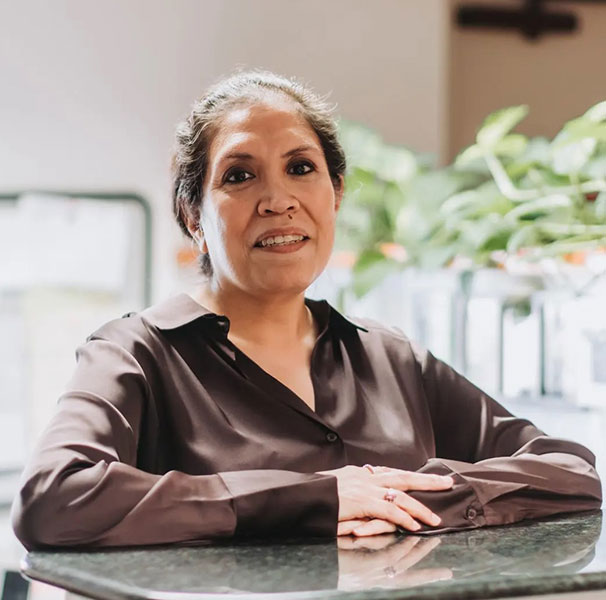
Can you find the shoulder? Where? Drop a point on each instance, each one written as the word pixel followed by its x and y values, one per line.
pixel 371 329
pixel 148 327
pixel 389 340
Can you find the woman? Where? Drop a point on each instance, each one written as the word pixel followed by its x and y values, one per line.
pixel 245 408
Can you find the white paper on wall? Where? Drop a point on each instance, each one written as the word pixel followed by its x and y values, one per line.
pixel 14 265
pixel 74 242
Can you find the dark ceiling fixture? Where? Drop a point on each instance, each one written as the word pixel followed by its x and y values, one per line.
pixel 531 19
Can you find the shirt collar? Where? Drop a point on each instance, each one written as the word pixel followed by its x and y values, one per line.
pixel 182 309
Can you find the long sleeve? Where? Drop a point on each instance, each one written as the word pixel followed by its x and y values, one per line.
pixel 82 485
pixel 505 469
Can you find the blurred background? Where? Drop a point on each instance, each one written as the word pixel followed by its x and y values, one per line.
pixel 475 214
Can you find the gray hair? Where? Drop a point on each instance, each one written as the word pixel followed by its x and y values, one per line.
pixel 195 134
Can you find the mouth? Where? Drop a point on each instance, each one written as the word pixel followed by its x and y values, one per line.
pixel 281 242
pixel 284 247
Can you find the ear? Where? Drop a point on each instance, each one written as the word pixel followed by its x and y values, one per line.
pixel 197 235
pixel 339 191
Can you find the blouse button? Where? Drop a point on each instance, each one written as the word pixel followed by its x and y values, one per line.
pixel 223 325
pixel 331 436
pixel 471 513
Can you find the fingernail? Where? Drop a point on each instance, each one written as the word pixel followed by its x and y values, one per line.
pixel 415 526
pixel 435 520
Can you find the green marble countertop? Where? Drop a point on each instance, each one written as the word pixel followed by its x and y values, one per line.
pixel 562 554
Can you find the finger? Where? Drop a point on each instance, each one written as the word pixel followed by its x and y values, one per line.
pixel 389 511
pixel 409 480
pixel 374 527
pixel 413 507
pixel 347 527
pixel 407 544
pixel 417 509
pixel 379 470
pixel 383 542
pixel 418 553
pixel 346 542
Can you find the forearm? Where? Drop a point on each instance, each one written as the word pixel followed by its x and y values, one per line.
pixel 116 504
pixel 505 490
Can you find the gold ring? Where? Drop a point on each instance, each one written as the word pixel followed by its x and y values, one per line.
pixel 369 467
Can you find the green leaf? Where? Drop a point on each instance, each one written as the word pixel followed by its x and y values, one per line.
pixel 597 112
pixel 486 234
pixel 511 145
pixel 472 204
pixel 570 159
pixel 595 168
pixel 538 151
pixel 497 240
pixel 600 206
pixel 499 124
pixel 537 154
pixel 469 156
pixel 393 200
pixel 461 202
pixel 580 129
pixel 527 235
pixel 565 246
pixel 397 164
pixel 371 268
pixel 434 257
pixel 541 207
pixel 521 308
pixel 366 150
pixel 358 177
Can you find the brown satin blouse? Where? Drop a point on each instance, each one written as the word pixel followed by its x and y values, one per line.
pixel 168 433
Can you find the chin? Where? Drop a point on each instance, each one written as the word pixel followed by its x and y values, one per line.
pixel 287 285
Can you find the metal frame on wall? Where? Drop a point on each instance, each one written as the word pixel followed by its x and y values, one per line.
pixel 109 197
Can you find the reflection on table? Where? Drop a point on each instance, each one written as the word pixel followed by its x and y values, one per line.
pixel 553 555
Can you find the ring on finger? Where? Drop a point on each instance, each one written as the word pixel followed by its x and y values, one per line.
pixel 369 467
pixel 390 495
pixel 390 572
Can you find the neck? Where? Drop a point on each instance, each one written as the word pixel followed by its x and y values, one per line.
pixel 275 321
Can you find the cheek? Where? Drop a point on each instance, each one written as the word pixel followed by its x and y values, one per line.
pixel 231 229
pixel 215 225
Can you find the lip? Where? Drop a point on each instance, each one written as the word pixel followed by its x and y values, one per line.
pixel 282 231
pixel 286 249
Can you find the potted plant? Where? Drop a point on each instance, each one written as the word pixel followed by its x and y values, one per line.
pixel 509 215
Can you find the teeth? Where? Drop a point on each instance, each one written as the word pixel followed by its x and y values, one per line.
pixel 281 239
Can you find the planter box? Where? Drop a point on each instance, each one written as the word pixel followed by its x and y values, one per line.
pixel 509 334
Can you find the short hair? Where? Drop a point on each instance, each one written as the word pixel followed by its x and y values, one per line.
pixel 195 134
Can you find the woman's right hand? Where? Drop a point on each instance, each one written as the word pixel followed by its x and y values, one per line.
pixel 363 509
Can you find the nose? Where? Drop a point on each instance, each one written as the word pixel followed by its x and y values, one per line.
pixel 277 199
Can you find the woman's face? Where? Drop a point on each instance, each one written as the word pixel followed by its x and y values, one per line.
pixel 266 176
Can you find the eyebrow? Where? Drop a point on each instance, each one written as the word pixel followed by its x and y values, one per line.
pixel 246 156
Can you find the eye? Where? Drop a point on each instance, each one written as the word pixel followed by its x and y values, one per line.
pixel 237 176
pixel 301 168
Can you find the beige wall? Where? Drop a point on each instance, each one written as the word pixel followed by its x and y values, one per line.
pixel 558 76
pixel 92 90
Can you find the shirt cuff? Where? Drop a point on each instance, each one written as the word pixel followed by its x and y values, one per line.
pixel 283 502
pixel 459 506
